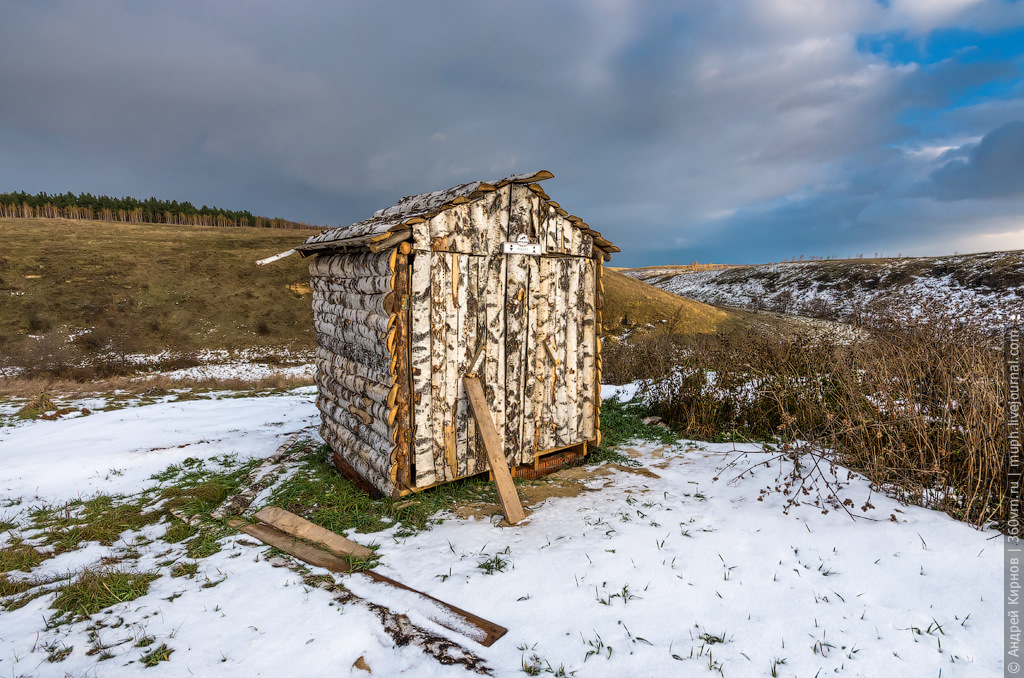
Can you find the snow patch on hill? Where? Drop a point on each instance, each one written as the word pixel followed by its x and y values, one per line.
pixel 984 289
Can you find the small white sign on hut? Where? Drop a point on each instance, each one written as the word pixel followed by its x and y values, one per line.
pixel 491 278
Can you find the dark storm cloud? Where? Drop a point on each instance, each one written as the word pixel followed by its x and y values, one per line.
pixel 993 168
pixel 678 127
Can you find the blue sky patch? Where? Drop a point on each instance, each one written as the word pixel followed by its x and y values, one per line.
pixel 951 43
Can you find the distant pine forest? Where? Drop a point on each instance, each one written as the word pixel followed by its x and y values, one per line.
pixel 131 210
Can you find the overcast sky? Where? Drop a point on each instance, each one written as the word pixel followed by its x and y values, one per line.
pixel 719 131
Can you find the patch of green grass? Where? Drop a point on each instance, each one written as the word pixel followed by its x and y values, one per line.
pixel 154 657
pixel 13 587
pixel 185 570
pixel 103 519
pixel 194 488
pixel 20 592
pixel 201 497
pixel 95 590
pixel 204 544
pixel 712 639
pixel 320 494
pixel 362 564
pixel 621 422
pixel 19 556
pixel 179 532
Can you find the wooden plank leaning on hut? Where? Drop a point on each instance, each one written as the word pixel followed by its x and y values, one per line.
pixel 507 495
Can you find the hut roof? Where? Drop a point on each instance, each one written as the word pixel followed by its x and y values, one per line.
pixel 394 224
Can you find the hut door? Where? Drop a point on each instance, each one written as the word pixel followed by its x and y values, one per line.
pixel 550 354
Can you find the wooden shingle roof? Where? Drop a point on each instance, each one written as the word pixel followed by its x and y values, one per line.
pixel 392 225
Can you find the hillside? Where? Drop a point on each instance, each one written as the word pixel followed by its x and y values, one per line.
pixel 145 288
pixel 72 289
pixel 980 288
pixel 630 302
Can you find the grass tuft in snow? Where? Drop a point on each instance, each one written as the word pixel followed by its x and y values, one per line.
pixel 36 408
pixel 179 532
pixel 495 563
pixel 154 657
pixel 102 519
pixel 95 589
pixel 206 543
pixel 13 587
pixel 201 497
pixel 17 555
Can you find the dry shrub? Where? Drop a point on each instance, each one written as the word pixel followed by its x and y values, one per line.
pixel 647 357
pixel 748 383
pixel 922 409
pixel 918 406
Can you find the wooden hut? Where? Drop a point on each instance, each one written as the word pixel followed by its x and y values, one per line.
pixel 491 278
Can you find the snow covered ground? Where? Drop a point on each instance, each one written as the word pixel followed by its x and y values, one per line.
pixel 700 559
pixel 984 288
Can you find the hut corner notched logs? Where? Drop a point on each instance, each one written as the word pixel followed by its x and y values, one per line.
pixel 405 303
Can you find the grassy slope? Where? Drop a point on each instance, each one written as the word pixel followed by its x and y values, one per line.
pixel 643 304
pixel 152 286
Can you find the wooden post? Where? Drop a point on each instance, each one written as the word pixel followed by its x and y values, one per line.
pixel 507 496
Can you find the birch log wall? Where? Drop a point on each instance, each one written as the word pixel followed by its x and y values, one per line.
pixel 407 301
